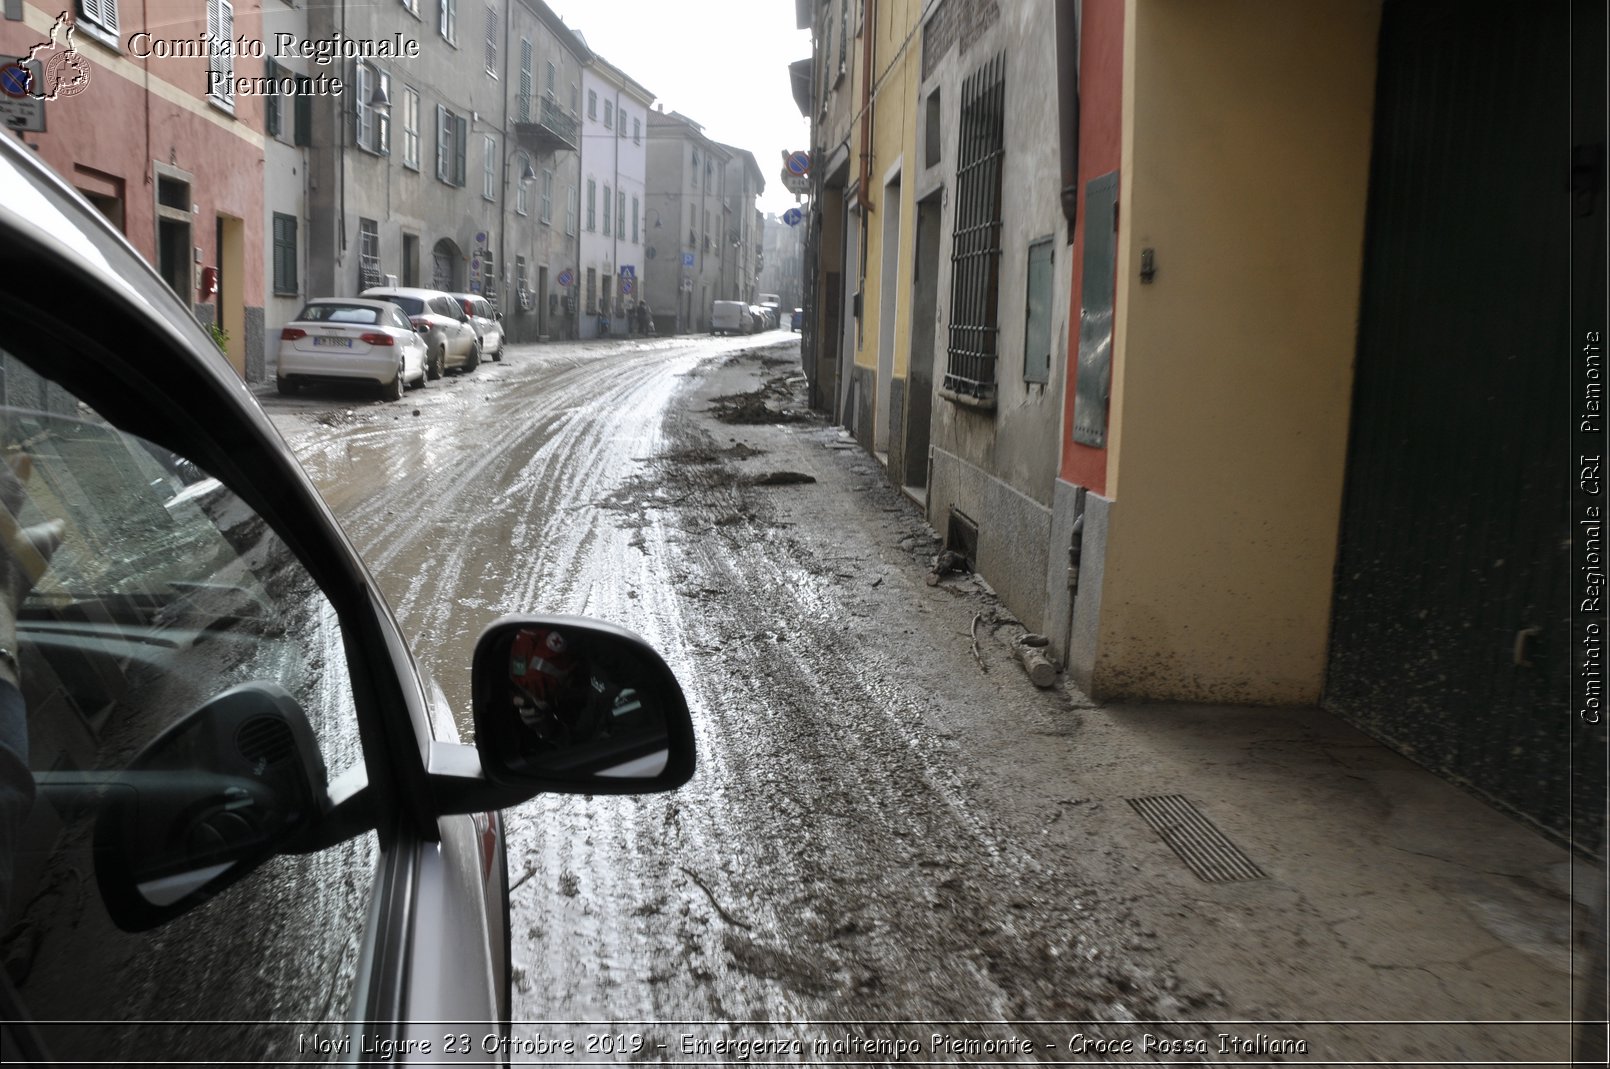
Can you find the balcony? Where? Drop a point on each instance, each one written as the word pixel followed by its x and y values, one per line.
pixel 555 130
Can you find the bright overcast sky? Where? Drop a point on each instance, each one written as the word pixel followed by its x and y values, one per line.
pixel 722 63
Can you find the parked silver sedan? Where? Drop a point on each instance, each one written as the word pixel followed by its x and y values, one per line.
pixel 346 339
pixel 488 322
pixel 451 340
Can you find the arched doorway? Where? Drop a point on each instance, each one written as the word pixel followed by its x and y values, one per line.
pixel 447 267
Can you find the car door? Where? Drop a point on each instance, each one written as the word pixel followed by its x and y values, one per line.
pixel 202 658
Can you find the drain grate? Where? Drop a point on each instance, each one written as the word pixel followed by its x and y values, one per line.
pixel 1196 839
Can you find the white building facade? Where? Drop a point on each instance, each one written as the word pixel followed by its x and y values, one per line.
pixel 614 163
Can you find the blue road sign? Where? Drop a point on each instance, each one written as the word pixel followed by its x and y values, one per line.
pixel 793 216
pixel 628 271
pixel 14 79
pixel 687 259
pixel 566 278
pixel 799 163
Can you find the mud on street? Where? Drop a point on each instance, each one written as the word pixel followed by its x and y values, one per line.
pixel 887 823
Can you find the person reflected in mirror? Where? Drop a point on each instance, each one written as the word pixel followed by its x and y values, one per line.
pixel 565 699
pixel 548 685
pixel 24 555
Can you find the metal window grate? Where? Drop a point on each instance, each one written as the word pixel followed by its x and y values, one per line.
pixel 975 248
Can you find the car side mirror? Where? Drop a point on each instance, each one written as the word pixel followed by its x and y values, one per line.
pixel 568 704
pixel 205 803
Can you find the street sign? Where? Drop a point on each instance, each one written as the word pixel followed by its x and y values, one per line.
pixel 687 259
pixel 628 271
pixel 796 184
pixel 20 108
pixel 566 277
pixel 793 216
pixel 799 163
pixel 626 285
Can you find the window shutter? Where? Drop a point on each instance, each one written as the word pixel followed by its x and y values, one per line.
pixel 444 146
pixel 461 144
pixel 272 100
pixel 304 112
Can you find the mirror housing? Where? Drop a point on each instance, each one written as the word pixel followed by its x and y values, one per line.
pixel 205 803
pixel 573 705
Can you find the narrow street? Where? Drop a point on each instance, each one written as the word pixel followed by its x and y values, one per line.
pixel 889 823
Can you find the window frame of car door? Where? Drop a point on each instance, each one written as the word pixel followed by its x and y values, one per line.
pixel 180 394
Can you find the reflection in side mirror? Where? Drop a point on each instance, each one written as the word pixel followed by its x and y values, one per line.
pixel 571 704
pixel 205 803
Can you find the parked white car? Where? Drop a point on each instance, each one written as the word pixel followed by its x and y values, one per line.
pixel 488 322
pixel 451 340
pixel 730 317
pixel 349 339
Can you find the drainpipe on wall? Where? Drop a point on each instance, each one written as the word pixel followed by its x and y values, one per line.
pixel 868 21
pixel 1068 17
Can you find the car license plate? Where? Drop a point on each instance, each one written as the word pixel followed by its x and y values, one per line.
pixel 342 343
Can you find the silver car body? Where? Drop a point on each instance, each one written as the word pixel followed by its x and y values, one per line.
pixel 486 321
pixel 450 338
pixel 434 946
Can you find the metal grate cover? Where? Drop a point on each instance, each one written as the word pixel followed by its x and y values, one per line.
pixel 1196 839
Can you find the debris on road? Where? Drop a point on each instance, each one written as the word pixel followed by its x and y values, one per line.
pixel 1029 649
pixel 947 562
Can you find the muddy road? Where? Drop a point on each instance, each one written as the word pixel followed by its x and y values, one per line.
pixel 849 849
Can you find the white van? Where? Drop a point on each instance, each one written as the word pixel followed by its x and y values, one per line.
pixel 730 317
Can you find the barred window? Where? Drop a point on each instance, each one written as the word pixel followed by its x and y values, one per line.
pixel 975 244
pixel 369 255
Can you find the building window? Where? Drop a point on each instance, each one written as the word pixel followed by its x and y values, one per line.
pixel 636 214
pixel 620 213
pixel 372 125
pixel 410 116
pixel 521 194
pixel 570 210
pixel 637 131
pixel 447 20
pixel 489 168
pixel 609 115
pixel 975 243
pixel 592 291
pixel 452 134
pixel 369 255
pixel 221 56
pixel 592 205
pixel 844 31
pixel 284 254
pixel 273 105
pixel 523 100
pixel 606 211
pixel 491 41
pixel 101 14
pixel 547 85
pixel 547 197
pixel 592 104
pixel 522 284
pixel 930 137
pixel 575 98
pixel 1037 316
pixel 303 112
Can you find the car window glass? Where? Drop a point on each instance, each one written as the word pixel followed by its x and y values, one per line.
pixel 338 313
pixel 166 591
pixel 411 305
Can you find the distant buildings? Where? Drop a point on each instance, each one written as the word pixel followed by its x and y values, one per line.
pixel 483 149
